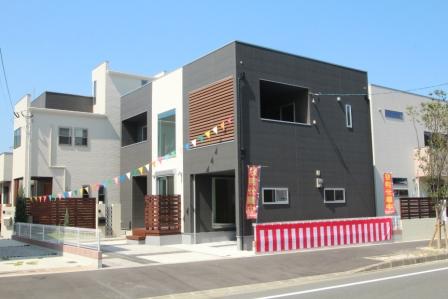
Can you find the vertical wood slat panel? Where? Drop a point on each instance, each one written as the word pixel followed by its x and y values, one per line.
pixel 210 106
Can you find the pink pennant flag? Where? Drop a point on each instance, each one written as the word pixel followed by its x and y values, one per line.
pixel 116 180
pixel 229 120
pixel 160 159
pixel 215 130
pixel 59 196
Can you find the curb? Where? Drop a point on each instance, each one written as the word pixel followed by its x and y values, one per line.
pixel 403 262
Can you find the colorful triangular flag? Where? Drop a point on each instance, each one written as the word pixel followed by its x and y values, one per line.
pixel 200 138
pixel 207 134
pixel 215 130
pixel 147 167
pixel 116 180
pixel 140 169
pixel 223 126
pixel 193 142
pixel 128 175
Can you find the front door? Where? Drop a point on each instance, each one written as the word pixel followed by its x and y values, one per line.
pixel 223 202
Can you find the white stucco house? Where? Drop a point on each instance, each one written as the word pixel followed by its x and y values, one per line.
pixel 395 140
pixel 65 142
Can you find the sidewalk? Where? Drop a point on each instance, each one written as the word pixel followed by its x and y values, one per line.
pixel 165 279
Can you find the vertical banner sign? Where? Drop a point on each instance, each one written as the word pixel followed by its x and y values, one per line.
pixel 389 207
pixel 252 195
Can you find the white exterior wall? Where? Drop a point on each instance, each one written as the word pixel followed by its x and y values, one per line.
pixel 73 166
pixel 20 154
pixel 394 141
pixel 167 95
pixel 5 167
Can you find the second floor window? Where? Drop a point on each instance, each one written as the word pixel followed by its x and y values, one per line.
pixel 17 137
pixel 167 133
pixel 81 136
pixel 65 136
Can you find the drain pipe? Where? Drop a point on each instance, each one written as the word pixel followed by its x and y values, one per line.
pixel 194 210
pixel 240 154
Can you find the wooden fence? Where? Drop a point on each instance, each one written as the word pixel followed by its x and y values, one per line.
pixel 416 207
pixel 82 212
pixel 162 215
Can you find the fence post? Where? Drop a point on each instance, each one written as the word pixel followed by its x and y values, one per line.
pixel 43 232
pixel 30 230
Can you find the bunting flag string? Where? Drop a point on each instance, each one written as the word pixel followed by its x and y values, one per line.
pixel 208 134
pixel 95 186
pixel 134 172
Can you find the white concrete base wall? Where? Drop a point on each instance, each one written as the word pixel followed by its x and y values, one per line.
pixel 416 229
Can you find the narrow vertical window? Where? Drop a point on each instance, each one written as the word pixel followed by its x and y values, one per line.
pixel 348 116
pixel 17 138
pixel 167 133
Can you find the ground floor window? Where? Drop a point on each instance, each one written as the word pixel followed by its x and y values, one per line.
pixel 334 195
pixel 275 195
pixel 165 185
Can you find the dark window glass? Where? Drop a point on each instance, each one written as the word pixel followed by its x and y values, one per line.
pixel 65 136
pixel 81 136
pixel 268 196
pixel 17 137
pixel 393 114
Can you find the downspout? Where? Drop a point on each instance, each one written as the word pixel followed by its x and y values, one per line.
pixel 240 151
pixel 194 210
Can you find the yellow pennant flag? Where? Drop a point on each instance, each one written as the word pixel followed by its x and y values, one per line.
pixel 140 169
pixel 207 134
pixel 223 125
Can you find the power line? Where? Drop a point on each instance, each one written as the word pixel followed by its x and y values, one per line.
pixel 6 82
pixel 380 93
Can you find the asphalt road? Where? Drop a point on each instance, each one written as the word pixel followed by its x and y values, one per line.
pixel 158 280
pixel 412 282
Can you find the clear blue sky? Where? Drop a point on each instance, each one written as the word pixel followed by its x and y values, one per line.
pixel 54 45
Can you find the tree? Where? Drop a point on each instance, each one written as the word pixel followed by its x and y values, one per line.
pixel 20 212
pixel 433 157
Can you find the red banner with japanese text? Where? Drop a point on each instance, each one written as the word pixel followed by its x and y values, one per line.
pixel 389 207
pixel 253 187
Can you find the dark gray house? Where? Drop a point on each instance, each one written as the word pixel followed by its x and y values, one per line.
pixel 306 122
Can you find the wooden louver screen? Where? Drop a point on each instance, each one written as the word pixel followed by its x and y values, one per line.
pixel 209 106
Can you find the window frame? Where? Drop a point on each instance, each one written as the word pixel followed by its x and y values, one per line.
pixel 308 111
pixel 168 113
pixel 348 116
pixel 17 138
pixel 334 191
pixel 82 138
pixel 94 91
pixel 393 114
pixel 70 136
pixel 275 201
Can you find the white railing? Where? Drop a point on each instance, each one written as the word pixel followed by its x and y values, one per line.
pixel 74 236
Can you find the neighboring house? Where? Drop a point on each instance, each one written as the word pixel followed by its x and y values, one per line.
pixel 396 138
pixel 65 142
pixel 5 177
pixel 269 108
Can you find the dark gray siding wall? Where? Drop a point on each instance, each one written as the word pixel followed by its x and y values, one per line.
pixel 210 159
pixel 61 101
pixel 134 155
pixel 293 152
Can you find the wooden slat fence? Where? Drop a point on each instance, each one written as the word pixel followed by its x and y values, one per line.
pixel 162 215
pixel 81 212
pixel 417 207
